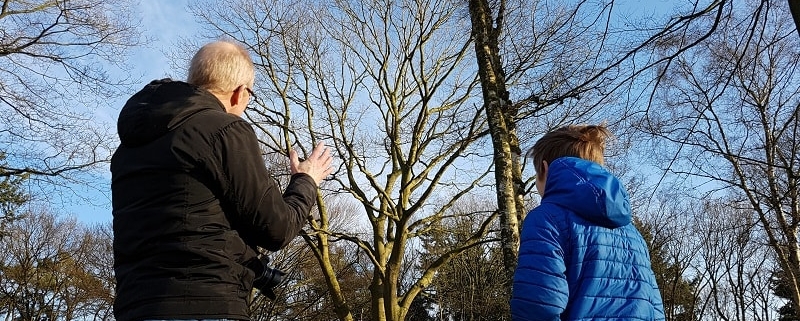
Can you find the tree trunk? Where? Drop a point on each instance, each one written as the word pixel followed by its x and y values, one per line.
pixel 322 251
pixel 378 287
pixel 793 253
pixel 501 116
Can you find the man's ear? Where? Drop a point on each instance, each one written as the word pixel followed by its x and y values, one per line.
pixel 237 96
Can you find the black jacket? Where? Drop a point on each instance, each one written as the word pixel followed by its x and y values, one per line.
pixel 191 198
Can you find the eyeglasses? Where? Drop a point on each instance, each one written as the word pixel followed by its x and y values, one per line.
pixel 252 94
pixel 253 97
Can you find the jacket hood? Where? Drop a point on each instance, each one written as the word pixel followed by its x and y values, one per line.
pixel 589 190
pixel 160 107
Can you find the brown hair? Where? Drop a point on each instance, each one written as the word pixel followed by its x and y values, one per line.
pixel 221 66
pixel 584 141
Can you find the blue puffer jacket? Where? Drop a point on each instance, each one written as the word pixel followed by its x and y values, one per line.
pixel 580 257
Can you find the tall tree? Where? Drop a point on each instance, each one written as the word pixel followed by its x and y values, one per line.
pixel 543 64
pixel 501 115
pixel 388 84
pixel 56 64
pixel 730 107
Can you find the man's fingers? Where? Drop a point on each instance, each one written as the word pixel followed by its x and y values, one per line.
pixel 320 151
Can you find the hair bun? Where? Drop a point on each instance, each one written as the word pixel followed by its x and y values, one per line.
pixel 595 134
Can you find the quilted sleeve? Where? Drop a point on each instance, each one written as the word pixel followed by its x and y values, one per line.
pixel 658 303
pixel 540 290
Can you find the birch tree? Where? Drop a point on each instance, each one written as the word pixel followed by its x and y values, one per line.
pixel 501 116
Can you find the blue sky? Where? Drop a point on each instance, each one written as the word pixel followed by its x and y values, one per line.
pixel 166 22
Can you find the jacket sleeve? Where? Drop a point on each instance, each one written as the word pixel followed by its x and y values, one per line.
pixel 262 215
pixel 658 303
pixel 540 290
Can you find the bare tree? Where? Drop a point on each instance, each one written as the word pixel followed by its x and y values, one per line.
pixel 48 270
pixel 389 86
pixel 729 107
pixel 545 56
pixel 711 258
pixel 56 59
pixel 733 267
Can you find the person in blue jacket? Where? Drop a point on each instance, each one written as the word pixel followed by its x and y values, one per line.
pixel 580 257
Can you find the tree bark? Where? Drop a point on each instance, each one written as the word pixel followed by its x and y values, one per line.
pixel 321 248
pixel 501 116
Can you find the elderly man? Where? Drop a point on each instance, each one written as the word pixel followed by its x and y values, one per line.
pixel 192 198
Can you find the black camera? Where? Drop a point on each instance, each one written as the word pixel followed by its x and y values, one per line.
pixel 267 278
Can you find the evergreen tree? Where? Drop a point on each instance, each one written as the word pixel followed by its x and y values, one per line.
pixel 471 285
pixel 11 196
pixel 788 312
